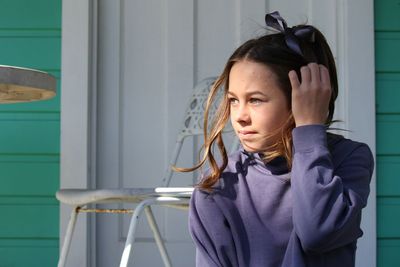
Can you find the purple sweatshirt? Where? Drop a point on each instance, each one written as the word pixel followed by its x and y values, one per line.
pixel 263 215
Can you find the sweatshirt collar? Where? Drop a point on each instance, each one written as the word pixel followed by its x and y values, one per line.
pixel 277 166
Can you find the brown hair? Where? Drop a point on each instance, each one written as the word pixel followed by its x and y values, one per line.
pixel 271 50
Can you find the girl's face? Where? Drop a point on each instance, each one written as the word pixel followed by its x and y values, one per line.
pixel 258 106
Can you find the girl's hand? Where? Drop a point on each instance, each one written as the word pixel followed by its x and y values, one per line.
pixel 310 98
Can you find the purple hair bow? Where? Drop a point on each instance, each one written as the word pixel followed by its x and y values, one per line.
pixel 306 32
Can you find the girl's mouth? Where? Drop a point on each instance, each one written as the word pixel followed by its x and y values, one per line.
pixel 246 133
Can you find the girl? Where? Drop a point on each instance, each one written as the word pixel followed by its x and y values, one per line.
pixel 293 194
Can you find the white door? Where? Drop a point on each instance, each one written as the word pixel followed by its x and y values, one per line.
pixel 140 62
pixel 149 56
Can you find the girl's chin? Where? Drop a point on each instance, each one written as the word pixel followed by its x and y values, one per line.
pixel 252 149
pixel 256 147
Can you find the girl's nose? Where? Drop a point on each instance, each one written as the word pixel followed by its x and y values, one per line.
pixel 242 114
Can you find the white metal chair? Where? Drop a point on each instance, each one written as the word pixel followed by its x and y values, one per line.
pixel 176 197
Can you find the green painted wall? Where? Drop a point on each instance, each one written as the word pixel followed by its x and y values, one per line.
pixel 30 36
pixel 387 55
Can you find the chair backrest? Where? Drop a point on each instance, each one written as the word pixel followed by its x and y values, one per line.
pixel 194 115
pixel 193 120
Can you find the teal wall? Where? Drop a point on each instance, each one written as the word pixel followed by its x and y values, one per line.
pixel 387 56
pixel 30 36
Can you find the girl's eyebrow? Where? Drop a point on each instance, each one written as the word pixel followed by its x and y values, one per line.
pixel 249 93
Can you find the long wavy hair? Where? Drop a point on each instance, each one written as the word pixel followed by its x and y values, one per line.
pixel 272 51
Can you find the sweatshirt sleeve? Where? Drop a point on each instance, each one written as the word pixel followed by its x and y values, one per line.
pixel 210 232
pixel 327 200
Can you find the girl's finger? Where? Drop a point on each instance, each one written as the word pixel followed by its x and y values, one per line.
pixel 315 75
pixel 305 74
pixel 294 80
pixel 325 78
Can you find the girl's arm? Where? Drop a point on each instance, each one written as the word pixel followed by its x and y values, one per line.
pixel 327 201
pixel 209 230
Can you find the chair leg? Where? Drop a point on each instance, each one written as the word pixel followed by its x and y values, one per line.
pixel 68 237
pixel 130 239
pixel 131 234
pixel 157 236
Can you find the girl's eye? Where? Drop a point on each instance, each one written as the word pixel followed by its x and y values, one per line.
pixel 255 101
pixel 233 101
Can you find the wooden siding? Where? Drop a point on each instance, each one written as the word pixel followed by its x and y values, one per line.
pixel 30 36
pixel 387 43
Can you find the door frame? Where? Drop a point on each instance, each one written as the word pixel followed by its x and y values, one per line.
pixel 78 119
